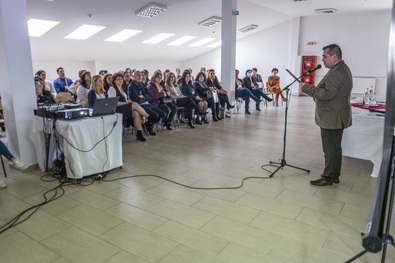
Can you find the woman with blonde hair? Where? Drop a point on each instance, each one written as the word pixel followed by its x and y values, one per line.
pixel 96 91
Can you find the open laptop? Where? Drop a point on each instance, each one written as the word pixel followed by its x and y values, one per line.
pixel 105 106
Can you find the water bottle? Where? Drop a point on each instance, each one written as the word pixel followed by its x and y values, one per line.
pixel 372 97
pixel 366 101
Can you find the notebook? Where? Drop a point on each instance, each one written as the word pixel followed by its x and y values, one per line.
pixel 105 106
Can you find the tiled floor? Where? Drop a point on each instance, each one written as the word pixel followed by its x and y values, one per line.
pixel 146 219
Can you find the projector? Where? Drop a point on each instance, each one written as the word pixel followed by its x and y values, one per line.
pixel 72 113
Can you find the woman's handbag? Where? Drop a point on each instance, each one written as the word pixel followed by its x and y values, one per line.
pixel 165 100
pixel 209 95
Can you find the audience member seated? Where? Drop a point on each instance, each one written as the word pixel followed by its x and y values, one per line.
pixel 181 100
pixel 73 88
pixel 161 98
pixel 250 83
pixel 178 75
pixel 212 81
pixel 187 89
pixel 96 91
pixel 139 93
pixel 83 89
pixel 14 163
pixel 256 76
pixel 62 83
pixel 103 72
pixel 273 83
pixel 43 96
pixel 125 106
pixel 145 76
pixel 244 92
pixel 126 79
pixel 201 89
pixel 48 84
pixel 107 82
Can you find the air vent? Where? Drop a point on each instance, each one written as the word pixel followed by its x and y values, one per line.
pixel 325 11
pixel 151 10
pixel 298 0
pixel 210 21
pixel 248 28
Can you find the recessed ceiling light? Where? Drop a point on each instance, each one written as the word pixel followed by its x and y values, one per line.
pixel 151 10
pixel 210 21
pixel 202 42
pixel 158 38
pixel 38 27
pixel 181 41
pixel 84 32
pixel 248 28
pixel 216 44
pixel 123 35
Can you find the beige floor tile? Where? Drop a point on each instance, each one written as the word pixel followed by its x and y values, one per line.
pixel 20 248
pixel 42 225
pixel 184 254
pixel 61 260
pixel 55 207
pixel 208 244
pixel 344 197
pixel 226 209
pixel 176 193
pixel 136 216
pixel 125 257
pixel 222 194
pixel 189 216
pixel 139 183
pixel 271 206
pixel 10 206
pixel 135 197
pixel 301 231
pixel 251 237
pixel 137 241
pixel 330 206
pixel 79 246
pixel 93 199
pixel 355 212
pixel 90 219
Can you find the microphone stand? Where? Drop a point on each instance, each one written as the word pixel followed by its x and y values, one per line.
pixel 283 162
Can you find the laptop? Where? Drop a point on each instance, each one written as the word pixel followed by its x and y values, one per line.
pixel 105 106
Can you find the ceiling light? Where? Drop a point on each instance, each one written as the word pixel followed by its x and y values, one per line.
pixel 181 41
pixel 84 32
pixel 248 28
pixel 202 42
pixel 216 44
pixel 38 27
pixel 325 11
pixel 123 35
pixel 151 10
pixel 158 38
pixel 210 21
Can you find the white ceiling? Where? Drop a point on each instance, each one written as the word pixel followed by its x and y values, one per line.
pixel 181 18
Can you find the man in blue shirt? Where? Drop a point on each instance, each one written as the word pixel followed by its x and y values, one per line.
pixel 62 83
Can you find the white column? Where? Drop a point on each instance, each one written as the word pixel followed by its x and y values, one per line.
pixel 228 47
pixel 16 74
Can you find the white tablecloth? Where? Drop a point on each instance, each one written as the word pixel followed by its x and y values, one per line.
pixel 364 139
pixel 78 139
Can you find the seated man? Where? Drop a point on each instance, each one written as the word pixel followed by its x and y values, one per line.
pixel 250 83
pixel 62 83
pixel 240 91
pixel 139 93
pixel 256 76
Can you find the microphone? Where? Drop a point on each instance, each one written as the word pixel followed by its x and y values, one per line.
pixel 314 69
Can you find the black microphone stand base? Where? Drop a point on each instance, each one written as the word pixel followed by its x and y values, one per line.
pixel 282 164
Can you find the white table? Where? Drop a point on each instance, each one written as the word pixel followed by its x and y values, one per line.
pixel 364 139
pixel 80 134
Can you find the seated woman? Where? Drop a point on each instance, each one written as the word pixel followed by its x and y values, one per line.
pixel 244 92
pixel 187 90
pixel 273 83
pixel 139 93
pixel 212 81
pixel 250 83
pixel 107 82
pixel 83 89
pixel 96 91
pixel 181 100
pixel 47 84
pixel 201 90
pixel 125 106
pixel 42 95
pixel 161 98
pixel 14 163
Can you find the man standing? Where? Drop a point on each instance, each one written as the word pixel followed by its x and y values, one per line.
pixel 62 83
pixel 332 111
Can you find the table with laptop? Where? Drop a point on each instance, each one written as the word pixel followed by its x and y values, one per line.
pixel 88 145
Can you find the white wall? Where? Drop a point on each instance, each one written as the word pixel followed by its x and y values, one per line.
pixel 364 39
